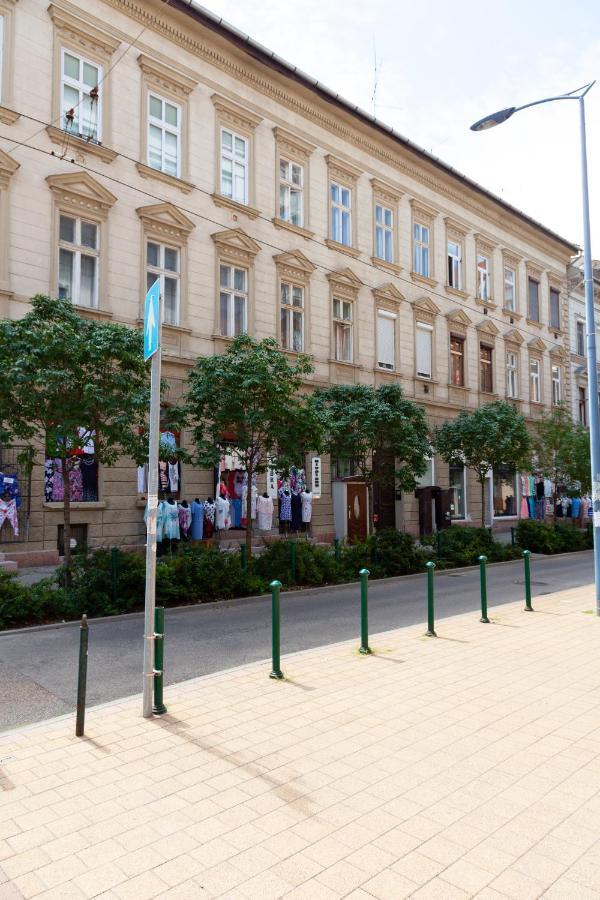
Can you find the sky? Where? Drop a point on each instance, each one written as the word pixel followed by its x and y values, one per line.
pixel 441 66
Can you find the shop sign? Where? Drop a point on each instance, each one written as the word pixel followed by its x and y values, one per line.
pixel 316 476
pixel 271 481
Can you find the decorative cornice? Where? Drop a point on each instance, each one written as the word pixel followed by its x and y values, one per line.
pixel 420 208
pixel 339 168
pixel 236 245
pixel 510 259
pixel 536 343
pixel 344 283
pixel 8 167
pixel 487 327
pixel 165 220
pixel 79 189
pixel 166 77
pixel 186 187
pixel 425 306
pixel 456 226
pixel 235 115
pixel 386 192
pixel 388 295
pixel 293 145
pixel 458 317
pixel 86 31
pixel 295 264
pixel 558 352
pixel 514 337
pixel 70 142
pixel 533 269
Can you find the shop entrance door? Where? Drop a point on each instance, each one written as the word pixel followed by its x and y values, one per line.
pixel 384 490
pixel 356 511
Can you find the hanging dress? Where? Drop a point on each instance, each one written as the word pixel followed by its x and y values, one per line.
pixel 197 509
pixel 171 523
pixel 264 508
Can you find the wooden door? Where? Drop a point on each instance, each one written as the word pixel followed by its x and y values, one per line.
pixel 384 490
pixel 356 511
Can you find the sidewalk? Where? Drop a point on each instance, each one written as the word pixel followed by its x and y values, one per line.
pixel 462 766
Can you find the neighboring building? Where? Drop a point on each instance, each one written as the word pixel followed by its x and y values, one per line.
pixel 263 202
pixel 577 336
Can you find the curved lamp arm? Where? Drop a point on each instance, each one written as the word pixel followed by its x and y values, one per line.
pixel 503 114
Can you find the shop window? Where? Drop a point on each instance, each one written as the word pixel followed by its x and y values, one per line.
pixel 341 214
pixel 164 135
pixel 512 375
pixel 428 479
pixel 533 310
pixel 458 503
pixel 292 316
pixel 535 380
pixel 421 249
pixel 457 360
pixel 582 406
pixel 234 166
pixel 554 308
pixel 509 289
pixel 79 538
pixel 164 263
pixel 384 233
pixel 424 339
pixel 505 491
pixel 78 258
pixel 486 369
pixel 80 97
pixel 386 339
pixel 291 192
pixel 483 277
pixel 15 495
pixel 82 468
pixel 580 337
pixel 344 467
pixel 556 385
pixel 233 300
pixel 455 265
pixel 343 329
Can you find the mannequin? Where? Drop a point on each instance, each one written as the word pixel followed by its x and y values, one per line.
pixel 306 498
pixel 285 508
pixel 209 518
pixel 185 519
pixel 264 508
pixel 222 518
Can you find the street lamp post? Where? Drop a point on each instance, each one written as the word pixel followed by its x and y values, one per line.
pixel 496 119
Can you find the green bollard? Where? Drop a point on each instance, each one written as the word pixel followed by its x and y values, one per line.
pixel 512 537
pixel 430 566
pixel 293 561
pixel 159 660
pixel 275 624
pixel 364 611
pixel 243 557
pixel 438 541
pixel 528 606
pixel 336 549
pixel 82 676
pixel 114 568
pixel 482 578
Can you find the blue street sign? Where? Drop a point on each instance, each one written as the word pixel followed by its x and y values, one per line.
pixel 151 323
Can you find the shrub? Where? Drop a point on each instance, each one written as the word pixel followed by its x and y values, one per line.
pixel 543 537
pixel 314 565
pixel 385 553
pixel 462 546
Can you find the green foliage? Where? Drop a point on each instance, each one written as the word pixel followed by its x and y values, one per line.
pixel 385 553
pixel 314 565
pixel 462 546
pixel 542 537
pixel 557 447
pixel 359 421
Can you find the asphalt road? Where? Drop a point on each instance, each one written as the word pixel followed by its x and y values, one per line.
pixel 38 668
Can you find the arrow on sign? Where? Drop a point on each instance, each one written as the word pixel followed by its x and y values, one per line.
pixel 150 322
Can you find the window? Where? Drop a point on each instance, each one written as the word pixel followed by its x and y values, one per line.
pixel 457 360
pixel 582 406
pixel 421 247
pixel 424 337
pixel 533 312
pixel 384 233
pixel 164 263
pixel 580 337
pixel 78 255
pixel 556 386
pixel 454 265
pixel 234 166
pixel 342 326
pixel 386 339
pixel 458 503
pixel 512 375
pixel 233 300
pixel 505 492
pixel 164 135
pixel 428 479
pixel 344 467
pixel 291 196
pixel 534 375
pixel 510 289
pixel 292 317
pixel 80 98
pixel 483 277
pixel 554 308
pixel 341 222
pixel 486 373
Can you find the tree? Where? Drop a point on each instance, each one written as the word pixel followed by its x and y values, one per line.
pixel 561 450
pixel 492 436
pixel 253 393
pixel 66 380
pixel 360 421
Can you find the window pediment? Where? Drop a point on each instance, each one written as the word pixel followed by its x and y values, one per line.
pixel 456 227
pixel 82 192
pixel 291 144
pixel 458 317
pixel 345 283
pixel 537 344
pixel 534 270
pixel 558 353
pixel 85 32
pixel 338 168
pixel 235 115
pixel 488 328
pixel 425 308
pixel 165 221
pixel 8 167
pixel 386 192
pixel 388 295
pixel 294 264
pixel 514 337
pixel 236 245
pixel 423 210
pixel 165 77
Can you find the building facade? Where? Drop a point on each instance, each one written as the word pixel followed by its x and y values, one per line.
pixel 140 139
pixel 577 337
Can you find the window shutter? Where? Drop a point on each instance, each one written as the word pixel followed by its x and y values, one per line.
pixel 424 351
pixel 385 339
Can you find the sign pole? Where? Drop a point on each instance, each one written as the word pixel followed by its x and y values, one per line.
pixel 151 322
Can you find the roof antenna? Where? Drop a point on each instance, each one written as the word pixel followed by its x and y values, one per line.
pixel 374 95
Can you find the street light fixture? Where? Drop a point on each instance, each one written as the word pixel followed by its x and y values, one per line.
pixel 496 119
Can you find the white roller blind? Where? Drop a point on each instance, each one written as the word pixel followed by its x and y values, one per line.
pixel 423 338
pixel 385 339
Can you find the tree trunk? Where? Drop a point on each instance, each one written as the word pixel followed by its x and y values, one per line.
pixel 555 498
pixel 483 503
pixel 370 509
pixel 249 519
pixel 66 469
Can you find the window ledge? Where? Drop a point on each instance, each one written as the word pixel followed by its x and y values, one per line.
pixel 460 387
pixel 488 304
pixel 174 329
pixel 510 314
pixel 349 251
pixel 8 116
pixel 534 323
pixel 456 292
pixel 424 380
pixel 423 279
pixel 186 187
pixel 516 400
pixel 341 362
pixel 90 312
pixel 228 203
pixel 75 504
pixel 557 331
pixel 58 136
pixel 289 226
pixel 392 268
pixel 294 354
